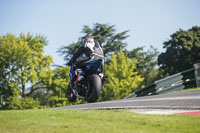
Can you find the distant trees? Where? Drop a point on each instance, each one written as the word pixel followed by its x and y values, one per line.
pixel 182 51
pixel 146 65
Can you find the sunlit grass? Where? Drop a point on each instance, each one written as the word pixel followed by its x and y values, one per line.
pixel 192 89
pixel 94 121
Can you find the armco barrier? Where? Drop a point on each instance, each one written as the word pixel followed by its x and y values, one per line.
pixel 180 81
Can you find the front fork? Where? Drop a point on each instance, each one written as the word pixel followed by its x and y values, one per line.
pixel 74 90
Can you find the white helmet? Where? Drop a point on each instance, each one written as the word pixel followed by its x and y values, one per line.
pixel 89 42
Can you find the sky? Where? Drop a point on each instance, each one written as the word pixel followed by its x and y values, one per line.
pixel 150 22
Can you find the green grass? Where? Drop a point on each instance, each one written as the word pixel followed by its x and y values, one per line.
pixel 94 121
pixel 192 89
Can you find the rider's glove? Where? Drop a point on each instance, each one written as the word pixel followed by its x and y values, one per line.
pixel 69 63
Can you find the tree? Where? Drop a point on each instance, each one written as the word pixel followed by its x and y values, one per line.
pixel 146 63
pixel 55 89
pixel 123 78
pixel 23 66
pixel 58 87
pixel 182 51
pixel 105 34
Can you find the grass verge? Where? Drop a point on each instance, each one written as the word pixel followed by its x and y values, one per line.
pixel 192 89
pixel 94 121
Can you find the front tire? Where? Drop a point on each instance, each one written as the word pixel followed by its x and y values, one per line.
pixel 94 85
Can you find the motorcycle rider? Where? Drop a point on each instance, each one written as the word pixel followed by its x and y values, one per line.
pixel 88 51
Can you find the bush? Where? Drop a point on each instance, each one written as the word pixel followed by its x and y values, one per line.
pixel 58 102
pixel 16 103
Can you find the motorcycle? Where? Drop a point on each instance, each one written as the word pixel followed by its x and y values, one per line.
pixel 86 84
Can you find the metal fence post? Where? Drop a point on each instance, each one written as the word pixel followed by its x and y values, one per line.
pixel 197 73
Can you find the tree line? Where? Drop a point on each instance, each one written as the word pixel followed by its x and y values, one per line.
pixel 27 81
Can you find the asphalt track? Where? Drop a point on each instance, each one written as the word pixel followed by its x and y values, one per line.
pixel 189 100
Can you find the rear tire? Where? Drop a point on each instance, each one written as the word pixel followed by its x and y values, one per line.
pixel 95 85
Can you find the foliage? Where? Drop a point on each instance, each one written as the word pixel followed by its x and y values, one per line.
pixel 146 65
pixel 16 103
pixel 182 51
pixel 56 101
pixel 56 88
pixel 122 77
pixel 60 81
pixel 23 66
pixel 103 33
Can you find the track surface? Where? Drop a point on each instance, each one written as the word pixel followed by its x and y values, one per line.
pixel 189 100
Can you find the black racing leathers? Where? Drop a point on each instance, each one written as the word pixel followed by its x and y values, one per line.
pixel 87 54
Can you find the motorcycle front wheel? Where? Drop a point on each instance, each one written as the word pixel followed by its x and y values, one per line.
pixel 94 86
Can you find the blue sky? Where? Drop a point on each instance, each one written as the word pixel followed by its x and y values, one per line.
pixel 151 22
